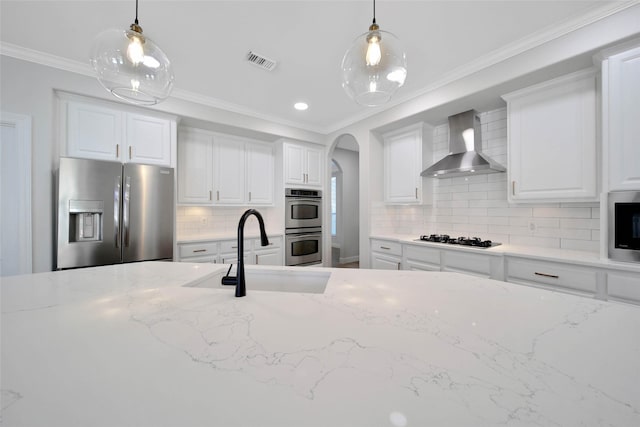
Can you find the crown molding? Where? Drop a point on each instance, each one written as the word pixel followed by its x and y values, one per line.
pixel 502 54
pixel 53 61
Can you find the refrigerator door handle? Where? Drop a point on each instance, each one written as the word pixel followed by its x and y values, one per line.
pixel 116 211
pixel 125 209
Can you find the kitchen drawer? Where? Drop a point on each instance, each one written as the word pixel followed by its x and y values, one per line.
pixel 274 242
pixel 476 264
pixel 623 287
pixel 552 275
pixel 206 258
pixel 423 255
pixel 197 249
pixel 232 246
pixel 386 247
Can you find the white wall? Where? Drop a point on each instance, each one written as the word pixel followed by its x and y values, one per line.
pixel 28 88
pixel 477 205
pixel 350 232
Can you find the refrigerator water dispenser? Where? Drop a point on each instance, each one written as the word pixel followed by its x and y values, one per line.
pixel 85 220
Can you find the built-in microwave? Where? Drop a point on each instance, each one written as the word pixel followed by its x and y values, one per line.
pixel 624 226
pixel 303 208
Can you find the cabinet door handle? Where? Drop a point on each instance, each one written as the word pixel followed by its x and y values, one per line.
pixel 398 268
pixel 249 195
pixel 256 259
pixel 384 247
pixel 416 193
pixel 218 195
pixel 117 151
pixel 513 188
pixel 210 195
pixel 130 152
pixel 553 276
pixel 199 250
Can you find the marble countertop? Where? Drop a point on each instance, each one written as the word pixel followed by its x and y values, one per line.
pixel 531 252
pixel 131 345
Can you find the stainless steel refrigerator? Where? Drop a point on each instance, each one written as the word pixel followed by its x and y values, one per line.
pixel 110 213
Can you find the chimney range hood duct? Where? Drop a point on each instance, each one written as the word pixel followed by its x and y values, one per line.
pixel 465 150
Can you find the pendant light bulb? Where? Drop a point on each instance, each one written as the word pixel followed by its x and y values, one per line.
pixel 135 51
pixel 373 55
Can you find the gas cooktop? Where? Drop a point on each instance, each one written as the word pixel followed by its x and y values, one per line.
pixel 462 241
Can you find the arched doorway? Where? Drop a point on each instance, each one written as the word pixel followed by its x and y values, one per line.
pixel 345 199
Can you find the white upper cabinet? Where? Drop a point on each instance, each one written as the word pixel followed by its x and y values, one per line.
pixel 302 165
pixel 92 131
pixel 101 130
pixel 259 162
pixel 195 167
pixel 149 139
pixel 218 169
pixel 621 119
pixel 552 144
pixel 404 151
pixel 229 177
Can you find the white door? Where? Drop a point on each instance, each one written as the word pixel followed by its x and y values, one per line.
pixel 260 178
pixel 94 132
pixel 195 168
pixel 229 161
pixel 148 140
pixel 15 194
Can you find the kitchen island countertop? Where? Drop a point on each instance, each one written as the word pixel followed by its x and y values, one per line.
pixel 132 345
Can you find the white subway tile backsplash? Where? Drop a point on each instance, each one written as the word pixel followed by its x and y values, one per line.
pixel 545 242
pixel 477 205
pixel 562 212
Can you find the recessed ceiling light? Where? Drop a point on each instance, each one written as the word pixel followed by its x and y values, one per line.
pixel 301 106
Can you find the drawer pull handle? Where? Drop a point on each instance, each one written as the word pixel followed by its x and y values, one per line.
pixel 513 188
pixel 199 250
pixel 384 247
pixel 553 276
pixel 234 247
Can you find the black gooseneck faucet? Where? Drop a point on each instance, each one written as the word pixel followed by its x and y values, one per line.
pixel 238 280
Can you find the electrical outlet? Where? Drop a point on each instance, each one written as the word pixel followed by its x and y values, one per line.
pixel 203 221
pixel 532 227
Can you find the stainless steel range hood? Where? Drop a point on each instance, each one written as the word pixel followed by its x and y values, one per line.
pixel 465 150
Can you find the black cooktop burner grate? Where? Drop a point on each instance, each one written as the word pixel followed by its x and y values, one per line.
pixel 462 241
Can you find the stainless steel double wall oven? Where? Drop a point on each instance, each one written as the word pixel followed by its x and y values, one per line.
pixel 303 226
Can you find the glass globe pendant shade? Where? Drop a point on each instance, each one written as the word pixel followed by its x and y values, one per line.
pixel 374 67
pixel 131 66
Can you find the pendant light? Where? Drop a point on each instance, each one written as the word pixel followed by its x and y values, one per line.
pixel 131 66
pixel 374 67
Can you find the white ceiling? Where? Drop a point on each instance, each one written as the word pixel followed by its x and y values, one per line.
pixel 207 42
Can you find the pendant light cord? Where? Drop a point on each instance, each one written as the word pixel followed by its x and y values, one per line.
pixel 374 10
pixel 136 21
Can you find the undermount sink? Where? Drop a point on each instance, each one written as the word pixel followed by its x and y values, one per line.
pixel 298 281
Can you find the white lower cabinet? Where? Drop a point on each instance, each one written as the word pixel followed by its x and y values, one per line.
pixel 198 252
pixel 226 251
pixel 552 275
pixel 386 255
pixel 623 286
pixel 459 262
pixel 422 259
pixel 268 255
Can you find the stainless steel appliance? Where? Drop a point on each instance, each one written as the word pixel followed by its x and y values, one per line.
pixel 475 242
pixel 304 247
pixel 303 226
pixel 624 226
pixel 465 150
pixel 303 208
pixel 110 213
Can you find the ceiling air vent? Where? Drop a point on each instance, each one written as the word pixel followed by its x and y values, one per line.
pixel 261 61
